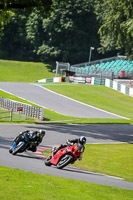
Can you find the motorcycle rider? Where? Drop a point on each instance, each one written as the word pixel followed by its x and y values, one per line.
pixel 35 137
pixel 81 140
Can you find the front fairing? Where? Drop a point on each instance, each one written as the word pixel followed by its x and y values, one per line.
pixel 74 150
pixel 57 156
pixel 24 147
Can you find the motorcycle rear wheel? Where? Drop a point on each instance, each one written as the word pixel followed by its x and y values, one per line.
pixel 64 161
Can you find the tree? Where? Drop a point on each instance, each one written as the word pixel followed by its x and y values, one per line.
pixel 64 33
pixel 17 4
pixel 5 17
pixel 69 29
pixel 116 20
pixel 7 9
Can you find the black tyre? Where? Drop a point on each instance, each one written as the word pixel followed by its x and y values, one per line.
pixel 64 161
pixel 10 150
pixel 48 161
pixel 17 149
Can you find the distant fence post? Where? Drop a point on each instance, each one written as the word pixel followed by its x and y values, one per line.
pixel 7 116
pixel 11 111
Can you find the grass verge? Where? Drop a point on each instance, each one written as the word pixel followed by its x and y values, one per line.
pixel 53 117
pixel 17 184
pixel 111 159
pixel 99 97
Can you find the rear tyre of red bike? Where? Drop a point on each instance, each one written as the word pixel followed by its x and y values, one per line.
pixel 64 161
pixel 48 161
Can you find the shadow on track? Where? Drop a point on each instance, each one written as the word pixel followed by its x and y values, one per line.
pixel 29 156
pixel 115 132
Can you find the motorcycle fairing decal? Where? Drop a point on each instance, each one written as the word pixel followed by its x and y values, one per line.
pixel 14 146
pixel 76 148
pixel 20 143
pixel 68 149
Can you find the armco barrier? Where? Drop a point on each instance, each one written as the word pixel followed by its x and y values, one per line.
pixel 55 79
pixel 22 108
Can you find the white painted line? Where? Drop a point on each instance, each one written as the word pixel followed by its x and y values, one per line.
pixel 114 177
pixel 80 102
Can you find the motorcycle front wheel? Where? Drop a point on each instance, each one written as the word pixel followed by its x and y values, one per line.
pixel 48 161
pixel 17 149
pixel 64 161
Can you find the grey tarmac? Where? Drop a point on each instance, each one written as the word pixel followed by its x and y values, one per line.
pixel 57 134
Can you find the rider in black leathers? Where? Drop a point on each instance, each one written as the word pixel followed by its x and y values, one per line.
pixel 35 137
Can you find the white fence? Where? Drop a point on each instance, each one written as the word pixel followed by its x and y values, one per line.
pixel 22 108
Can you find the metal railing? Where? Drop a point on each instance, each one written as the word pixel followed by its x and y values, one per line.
pixel 22 108
pixel 99 61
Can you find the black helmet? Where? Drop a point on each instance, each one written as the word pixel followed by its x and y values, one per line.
pixel 82 140
pixel 41 133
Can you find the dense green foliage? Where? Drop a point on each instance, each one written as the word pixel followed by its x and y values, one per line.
pixel 116 30
pixel 17 4
pixel 65 30
pixel 65 33
pixel 5 17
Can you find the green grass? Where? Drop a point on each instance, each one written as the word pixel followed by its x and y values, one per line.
pixel 100 97
pixel 16 184
pixel 16 71
pixel 111 159
pixel 87 94
pixel 53 117
pixel 16 118
pixel 48 115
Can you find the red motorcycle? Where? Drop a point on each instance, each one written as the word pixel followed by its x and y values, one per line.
pixel 65 156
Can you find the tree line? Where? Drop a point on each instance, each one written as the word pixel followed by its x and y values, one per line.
pixel 60 30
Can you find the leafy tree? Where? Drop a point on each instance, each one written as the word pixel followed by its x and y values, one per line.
pixel 17 4
pixel 69 31
pixel 5 17
pixel 64 33
pixel 116 30
pixel 7 9
pixel 14 44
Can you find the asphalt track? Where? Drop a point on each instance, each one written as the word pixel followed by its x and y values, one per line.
pixel 57 134
pixel 53 101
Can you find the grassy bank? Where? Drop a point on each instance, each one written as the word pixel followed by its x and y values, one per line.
pixel 16 71
pixel 53 117
pixel 98 96
pixel 111 159
pixel 17 184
